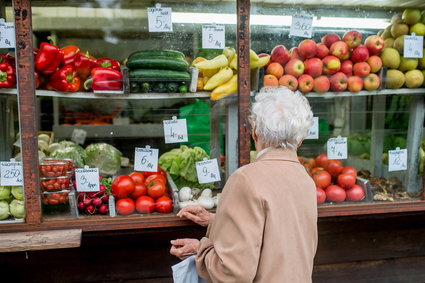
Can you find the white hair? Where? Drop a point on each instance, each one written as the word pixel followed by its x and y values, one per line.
pixel 282 118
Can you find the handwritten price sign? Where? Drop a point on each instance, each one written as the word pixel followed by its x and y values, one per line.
pixel 337 148
pixel 207 171
pixel 87 179
pixel 301 25
pixel 79 136
pixel 7 35
pixel 397 160
pixel 213 36
pixel 175 130
pixel 146 159
pixel 413 46
pixel 159 19
pixel 11 173
pixel 313 133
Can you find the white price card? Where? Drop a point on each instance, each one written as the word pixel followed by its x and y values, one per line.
pixel 11 173
pixel 413 46
pixel 7 34
pixel 313 132
pixel 79 136
pixel 159 19
pixel 207 171
pixel 397 160
pixel 87 179
pixel 337 148
pixel 213 36
pixel 146 159
pixel 175 130
pixel 111 206
pixel 302 25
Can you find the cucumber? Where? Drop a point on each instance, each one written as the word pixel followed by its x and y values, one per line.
pixel 157 53
pixel 137 62
pixel 158 74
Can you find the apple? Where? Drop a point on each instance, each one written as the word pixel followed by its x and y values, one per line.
pixel 399 44
pixel 339 49
pixel 396 19
pixel 355 83
pixel 294 67
pixel 280 54
pixel 313 67
pixel 305 83
pixel 388 42
pixel 289 81
pixel 390 58
pixel 322 50
pixel 360 54
pixel 353 38
pixel 399 29
pixel 375 63
pixel 347 67
pixel 408 64
pixel 307 48
pixel 321 84
pixel 414 78
pixel 411 16
pixel 347 56
pixel 331 65
pixel 329 39
pixel 387 32
pixel 418 29
pixel 371 82
pixel 338 82
pixel 374 44
pixel 361 69
pixel 294 53
pixel 394 79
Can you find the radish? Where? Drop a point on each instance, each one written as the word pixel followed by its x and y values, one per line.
pixel 103 209
pixel 81 205
pixel 97 202
pixel 87 201
pixel 90 209
pixel 105 198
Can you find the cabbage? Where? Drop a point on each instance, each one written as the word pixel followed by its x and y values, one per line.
pixel 18 192
pixel 17 208
pixel 4 209
pixel 71 150
pixel 103 156
pixel 4 192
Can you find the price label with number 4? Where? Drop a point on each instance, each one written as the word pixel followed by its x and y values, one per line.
pixel 207 171
pixel 175 130
pixel 337 148
pixel 87 179
pixel 159 19
pixel 146 159
pixel 213 36
pixel 11 173
pixel 413 46
pixel 7 35
pixel 301 25
pixel 397 160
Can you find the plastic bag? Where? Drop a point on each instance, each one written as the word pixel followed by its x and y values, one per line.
pixel 185 271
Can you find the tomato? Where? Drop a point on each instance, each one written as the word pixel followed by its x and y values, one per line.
pixel 145 204
pixel 164 205
pixel 335 193
pixel 316 169
pixel 310 161
pixel 308 168
pixel 139 190
pixel 301 159
pixel 159 170
pixel 155 177
pixel 322 179
pixel 156 188
pixel 125 206
pixel 346 180
pixel 122 186
pixel 321 195
pixel 355 193
pixel 334 167
pixel 137 177
pixel 349 170
pixel 322 160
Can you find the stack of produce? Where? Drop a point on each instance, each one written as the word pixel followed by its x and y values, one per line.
pixel 408 72
pixel 333 64
pixel 158 71
pixel 219 74
pixel 7 71
pixel 95 202
pixel 11 202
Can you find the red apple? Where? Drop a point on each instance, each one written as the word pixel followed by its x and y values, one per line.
pixel 294 67
pixel 289 81
pixel 355 84
pixel 321 84
pixel 375 63
pixel 313 67
pixel 371 82
pixel 353 38
pixel 375 44
pixel 347 67
pixel 347 56
pixel 322 51
pixel 339 82
pixel 305 83
pixel 307 48
pixel 331 65
pixel 295 53
pixel 360 54
pixel 329 39
pixel 361 69
pixel 339 49
pixel 280 54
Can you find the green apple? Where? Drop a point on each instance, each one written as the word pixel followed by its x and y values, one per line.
pixel 418 29
pixel 390 58
pixel 399 44
pixel 399 29
pixel 379 33
pixel 396 19
pixel 421 63
pixel 394 79
pixel 388 42
pixel 387 32
pixel 414 79
pixel 411 16
pixel 408 64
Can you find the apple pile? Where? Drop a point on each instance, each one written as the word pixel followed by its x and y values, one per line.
pixel 334 182
pixel 335 64
pixel 409 72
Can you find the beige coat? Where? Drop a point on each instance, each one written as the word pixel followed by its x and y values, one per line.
pixel 265 228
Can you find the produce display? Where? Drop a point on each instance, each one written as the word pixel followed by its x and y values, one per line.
pixel 11 202
pixel 95 202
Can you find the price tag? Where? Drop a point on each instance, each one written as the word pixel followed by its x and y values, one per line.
pixel 207 171
pixel 87 179
pixel 79 136
pixel 302 25
pixel 413 46
pixel 337 148
pixel 146 159
pixel 159 19
pixel 397 160
pixel 313 133
pixel 175 130
pixel 7 35
pixel 11 173
pixel 111 206
pixel 213 36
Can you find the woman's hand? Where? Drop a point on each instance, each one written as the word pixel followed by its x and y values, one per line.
pixel 183 248
pixel 196 213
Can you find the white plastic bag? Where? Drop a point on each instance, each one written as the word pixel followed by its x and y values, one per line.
pixel 185 271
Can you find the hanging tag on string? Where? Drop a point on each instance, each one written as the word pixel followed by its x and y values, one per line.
pixel 146 159
pixel 213 36
pixel 337 148
pixel 175 130
pixel 397 160
pixel 313 132
pixel 7 34
pixel 87 179
pixel 301 25
pixel 11 173
pixel 159 19
pixel 207 171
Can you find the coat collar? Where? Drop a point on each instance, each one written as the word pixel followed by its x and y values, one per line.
pixel 279 154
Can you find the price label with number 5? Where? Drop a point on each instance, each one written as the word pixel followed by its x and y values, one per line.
pixel 159 19
pixel 301 25
pixel 397 160
pixel 213 36
pixel 146 159
pixel 175 130
pixel 337 148
pixel 11 173
pixel 87 179
pixel 207 171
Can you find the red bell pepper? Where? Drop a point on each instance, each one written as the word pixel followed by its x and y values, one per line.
pixel 64 79
pixel 109 63
pixel 48 58
pixel 70 52
pixel 84 63
pixel 6 58
pixel 104 79
pixel 7 76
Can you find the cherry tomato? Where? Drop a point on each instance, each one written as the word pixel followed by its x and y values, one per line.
pixel 139 190
pixel 137 177
pixel 145 204
pixel 122 186
pixel 335 193
pixel 346 180
pixel 349 170
pixel 164 205
pixel 155 177
pixel 125 206
pixel 355 193
pixel 322 160
pixel 322 179
pixel 334 167
pixel 321 195
pixel 156 188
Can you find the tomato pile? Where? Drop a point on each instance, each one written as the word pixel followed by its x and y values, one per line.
pixel 53 169
pixel 55 198
pixel 334 182
pixel 144 192
pixel 54 184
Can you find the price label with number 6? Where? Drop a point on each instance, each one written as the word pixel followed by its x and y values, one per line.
pixel 159 19
pixel 208 171
pixel 11 173
pixel 87 179
pixel 397 160
pixel 146 159
pixel 337 148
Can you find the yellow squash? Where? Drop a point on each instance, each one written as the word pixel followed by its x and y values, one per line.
pixel 226 89
pixel 220 78
pixel 217 62
pixel 260 62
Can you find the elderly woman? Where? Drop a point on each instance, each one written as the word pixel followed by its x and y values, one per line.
pixel 265 227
